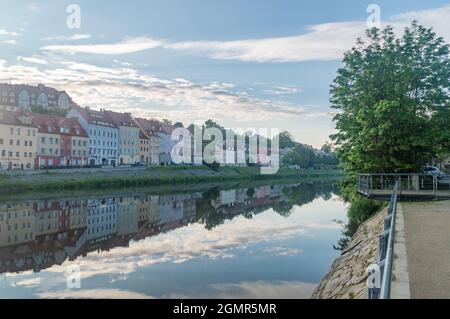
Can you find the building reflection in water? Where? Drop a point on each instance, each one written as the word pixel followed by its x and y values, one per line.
pixel 38 234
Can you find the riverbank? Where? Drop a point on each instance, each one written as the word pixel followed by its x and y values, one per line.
pixel 348 274
pixel 94 179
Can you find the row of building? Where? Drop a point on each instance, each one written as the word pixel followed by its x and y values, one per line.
pixel 85 137
pixel 31 139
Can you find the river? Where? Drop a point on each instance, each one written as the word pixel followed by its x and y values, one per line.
pixel 268 241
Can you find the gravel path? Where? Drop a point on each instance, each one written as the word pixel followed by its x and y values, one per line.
pixel 427 230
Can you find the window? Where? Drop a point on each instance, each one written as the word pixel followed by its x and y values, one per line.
pixel 31 143
pixel 18 142
pixel 18 131
pixel 26 143
pixel 11 131
pixel 17 154
pixel 63 101
pixel 1 141
pixel 42 100
pixel 3 153
pixel 43 140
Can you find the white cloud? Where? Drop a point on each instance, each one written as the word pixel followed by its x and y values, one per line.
pixel 327 41
pixel 32 59
pixel 125 88
pixel 321 42
pixel 122 47
pixel 93 294
pixel 33 7
pixel 8 33
pixel 73 37
pixel 10 42
pixel 283 90
pixel 253 290
pixel 437 18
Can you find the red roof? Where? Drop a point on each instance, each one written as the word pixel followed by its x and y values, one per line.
pixel 53 124
pixel 15 118
pixel 121 119
pixel 95 117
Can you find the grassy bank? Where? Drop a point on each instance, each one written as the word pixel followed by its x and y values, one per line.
pixel 46 181
pixel 162 189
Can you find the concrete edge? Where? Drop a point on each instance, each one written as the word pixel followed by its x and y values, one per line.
pixel 400 288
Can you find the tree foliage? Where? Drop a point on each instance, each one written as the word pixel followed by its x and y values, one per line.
pixel 392 101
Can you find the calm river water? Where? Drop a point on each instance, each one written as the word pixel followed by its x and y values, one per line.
pixel 270 241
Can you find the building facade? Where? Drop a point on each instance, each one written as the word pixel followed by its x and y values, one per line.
pixel 144 148
pixel 15 97
pixel 128 137
pixel 62 142
pixel 159 141
pixel 18 141
pixel 103 135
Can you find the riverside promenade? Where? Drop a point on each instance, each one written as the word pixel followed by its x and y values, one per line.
pixel 427 240
pixel 421 259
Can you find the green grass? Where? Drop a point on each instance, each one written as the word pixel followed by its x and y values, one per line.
pixel 51 181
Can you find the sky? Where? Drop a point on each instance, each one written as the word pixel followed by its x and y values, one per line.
pixel 245 64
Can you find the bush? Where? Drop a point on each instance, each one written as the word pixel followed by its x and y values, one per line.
pixel 362 208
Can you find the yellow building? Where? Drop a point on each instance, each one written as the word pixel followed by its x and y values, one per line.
pixel 17 224
pixel 144 151
pixel 18 141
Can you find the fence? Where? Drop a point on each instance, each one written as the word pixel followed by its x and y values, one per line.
pixel 386 250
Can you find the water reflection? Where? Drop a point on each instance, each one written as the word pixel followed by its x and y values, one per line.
pixel 124 234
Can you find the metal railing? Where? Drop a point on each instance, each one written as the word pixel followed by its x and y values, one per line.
pixel 409 184
pixel 386 251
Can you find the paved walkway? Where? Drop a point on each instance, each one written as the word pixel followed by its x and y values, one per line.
pixel 427 232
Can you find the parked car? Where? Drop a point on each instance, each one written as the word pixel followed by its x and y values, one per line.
pixel 442 178
pixel 433 171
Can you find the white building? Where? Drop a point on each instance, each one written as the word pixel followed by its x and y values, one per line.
pixel 103 135
pixel 129 143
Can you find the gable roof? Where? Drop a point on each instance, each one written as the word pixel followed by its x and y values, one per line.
pixel 53 124
pixel 121 119
pixel 16 118
pixel 95 117
pixel 52 93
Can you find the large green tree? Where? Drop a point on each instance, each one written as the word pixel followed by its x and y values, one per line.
pixel 392 101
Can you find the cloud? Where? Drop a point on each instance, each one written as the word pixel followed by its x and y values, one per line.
pixel 283 90
pixel 32 59
pixel 4 32
pixel 283 251
pixel 322 42
pixel 93 294
pixel 10 42
pixel 32 282
pixel 437 18
pixel 124 88
pixel 73 37
pixel 125 46
pixel 33 7
pixel 253 290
